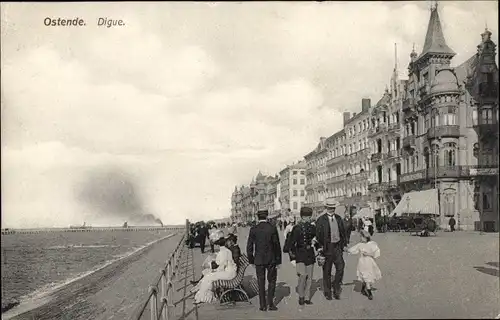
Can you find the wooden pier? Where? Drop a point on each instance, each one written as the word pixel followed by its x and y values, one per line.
pixel 90 229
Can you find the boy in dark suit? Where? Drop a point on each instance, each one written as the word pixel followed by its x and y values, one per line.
pixel 264 251
pixel 300 248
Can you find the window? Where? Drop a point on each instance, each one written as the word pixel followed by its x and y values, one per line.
pixel 486 200
pixel 426 125
pixel 294 181
pixel 261 197
pixel 486 116
pixel 449 119
pixel 302 172
pixel 301 193
pixel 294 193
pixel 295 172
pixel 449 154
pixel 295 205
pixel 474 117
pixel 302 181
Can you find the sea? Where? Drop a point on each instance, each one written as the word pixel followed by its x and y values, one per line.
pixel 35 264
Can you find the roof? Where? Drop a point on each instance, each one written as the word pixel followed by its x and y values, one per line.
pixel 434 39
pixel 466 69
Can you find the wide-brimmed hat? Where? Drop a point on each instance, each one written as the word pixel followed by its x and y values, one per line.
pixel 331 203
pixel 220 242
pixel 231 237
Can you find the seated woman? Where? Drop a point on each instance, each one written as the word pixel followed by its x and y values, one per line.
pixel 230 243
pixel 226 270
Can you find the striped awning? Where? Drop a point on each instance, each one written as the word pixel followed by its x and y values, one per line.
pixel 421 202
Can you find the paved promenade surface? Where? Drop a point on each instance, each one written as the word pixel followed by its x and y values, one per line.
pixel 112 293
pixel 452 275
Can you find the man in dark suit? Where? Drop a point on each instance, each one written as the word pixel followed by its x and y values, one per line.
pixel 203 234
pixel 331 237
pixel 264 251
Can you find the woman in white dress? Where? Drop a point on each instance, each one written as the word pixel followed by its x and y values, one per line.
pixel 226 270
pixel 367 271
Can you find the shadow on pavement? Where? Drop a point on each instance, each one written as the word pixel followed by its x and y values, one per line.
pixel 282 291
pixel 493 264
pixel 316 286
pixel 489 271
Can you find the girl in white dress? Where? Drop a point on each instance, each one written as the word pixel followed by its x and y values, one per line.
pixel 368 271
pixel 226 270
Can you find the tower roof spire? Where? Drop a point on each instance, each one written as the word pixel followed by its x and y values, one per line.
pixel 395 56
pixel 434 39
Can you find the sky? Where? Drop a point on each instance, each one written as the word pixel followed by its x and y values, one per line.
pixel 188 100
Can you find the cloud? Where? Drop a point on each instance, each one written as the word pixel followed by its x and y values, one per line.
pixel 193 99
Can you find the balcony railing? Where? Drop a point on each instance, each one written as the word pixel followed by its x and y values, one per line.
pixel 378 156
pixel 334 160
pixel 456 172
pixel 413 176
pixel 378 187
pixel 394 154
pixel 443 131
pixel 408 141
pixel 394 127
pixel 408 103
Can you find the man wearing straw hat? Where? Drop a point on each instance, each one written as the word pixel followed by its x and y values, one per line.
pixel 331 238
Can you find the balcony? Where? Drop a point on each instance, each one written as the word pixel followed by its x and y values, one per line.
pixel 481 170
pixel 378 187
pixel 454 172
pixel 394 127
pixel 408 104
pixel 335 160
pixel 394 154
pixel 408 141
pixel 380 128
pixel 378 156
pixel 443 131
pixel 335 179
pixel 423 89
pixel 413 176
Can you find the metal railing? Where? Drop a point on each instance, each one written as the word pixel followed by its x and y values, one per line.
pixel 166 280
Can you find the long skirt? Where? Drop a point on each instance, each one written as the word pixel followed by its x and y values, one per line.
pixel 205 293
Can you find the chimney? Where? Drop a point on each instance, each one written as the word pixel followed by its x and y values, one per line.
pixel 347 116
pixel 365 104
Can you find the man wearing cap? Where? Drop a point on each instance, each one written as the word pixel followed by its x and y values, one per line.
pixel 331 237
pixel 300 248
pixel 264 251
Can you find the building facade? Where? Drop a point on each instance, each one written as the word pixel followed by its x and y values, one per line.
pixel 482 85
pixel 385 144
pixel 293 188
pixel 339 166
pixel 439 135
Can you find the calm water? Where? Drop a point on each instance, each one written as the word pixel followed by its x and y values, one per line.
pixel 35 263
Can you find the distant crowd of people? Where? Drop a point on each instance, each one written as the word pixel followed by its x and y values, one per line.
pixel 307 242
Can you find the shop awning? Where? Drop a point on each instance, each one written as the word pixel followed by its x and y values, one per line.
pixel 364 212
pixel 421 202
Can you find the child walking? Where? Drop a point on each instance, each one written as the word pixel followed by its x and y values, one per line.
pixel 368 272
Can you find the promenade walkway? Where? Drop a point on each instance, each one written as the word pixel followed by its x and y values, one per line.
pixel 453 275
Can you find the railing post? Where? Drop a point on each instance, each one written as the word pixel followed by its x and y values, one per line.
pixel 154 302
pixel 164 293
pixel 169 277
